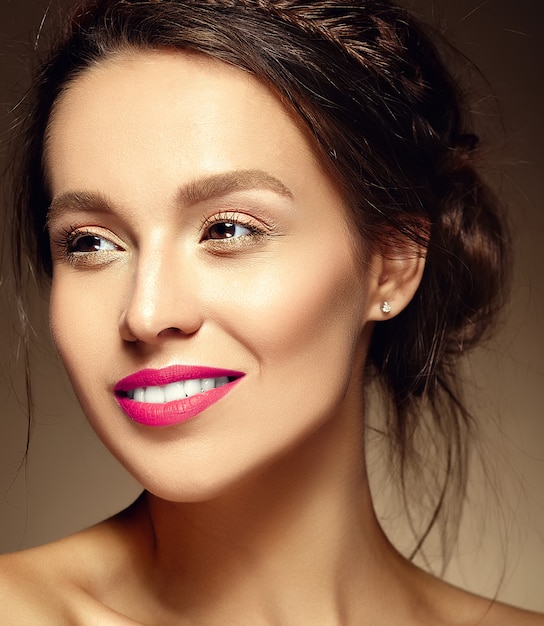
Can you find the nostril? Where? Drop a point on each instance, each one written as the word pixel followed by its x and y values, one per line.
pixel 171 330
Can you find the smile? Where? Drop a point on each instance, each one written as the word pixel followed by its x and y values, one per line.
pixel 173 395
pixel 176 391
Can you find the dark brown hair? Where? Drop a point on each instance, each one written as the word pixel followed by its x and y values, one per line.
pixel 384 113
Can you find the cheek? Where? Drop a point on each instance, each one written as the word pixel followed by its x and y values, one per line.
pixel 67 329
pixel 61 316
pixel 81 322
pixel 298 308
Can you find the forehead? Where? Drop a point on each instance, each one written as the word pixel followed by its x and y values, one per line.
pixel 162 100
pixel 141 123
pixel 154 91
pixel 138 91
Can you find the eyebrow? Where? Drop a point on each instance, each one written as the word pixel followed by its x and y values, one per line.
pixel 77 201
pixel 222 184
pixel 200 190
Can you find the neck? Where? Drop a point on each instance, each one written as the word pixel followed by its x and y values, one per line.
pixel 302 535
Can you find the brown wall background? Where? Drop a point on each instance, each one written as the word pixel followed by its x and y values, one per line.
pixel 71 481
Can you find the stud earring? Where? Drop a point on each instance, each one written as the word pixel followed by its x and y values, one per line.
pixel 386 307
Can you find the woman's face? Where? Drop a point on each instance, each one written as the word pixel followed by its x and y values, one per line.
pixel 196 237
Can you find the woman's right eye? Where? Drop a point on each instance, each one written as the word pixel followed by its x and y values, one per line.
pixel 85 247
pixel 88 243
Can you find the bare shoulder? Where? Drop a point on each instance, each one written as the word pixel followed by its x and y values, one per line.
pixel 503 615
pixel 57 583
pixel 462 608
pixel 29 586
pixel 442 604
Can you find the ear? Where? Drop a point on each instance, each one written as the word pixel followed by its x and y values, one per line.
pixel 395 275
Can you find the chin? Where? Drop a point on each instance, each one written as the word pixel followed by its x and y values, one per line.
pixel 191 487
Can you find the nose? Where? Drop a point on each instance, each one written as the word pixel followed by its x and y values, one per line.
pixel 163 300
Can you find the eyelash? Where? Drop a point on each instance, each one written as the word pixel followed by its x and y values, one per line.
pixel 71 234
pixel 255 232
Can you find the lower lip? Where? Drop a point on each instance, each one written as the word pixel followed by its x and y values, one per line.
pixel 176 412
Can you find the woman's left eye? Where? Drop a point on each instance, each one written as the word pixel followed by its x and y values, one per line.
pixel 224 233
pixel 227 230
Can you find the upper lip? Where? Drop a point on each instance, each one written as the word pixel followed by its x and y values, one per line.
pixel 172 374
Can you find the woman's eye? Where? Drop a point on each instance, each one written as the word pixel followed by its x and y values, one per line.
pixel 227 230
pixel 90 243
pixel 84 248
pixel 228 233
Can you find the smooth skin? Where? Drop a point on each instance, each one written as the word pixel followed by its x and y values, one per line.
pixel 193 223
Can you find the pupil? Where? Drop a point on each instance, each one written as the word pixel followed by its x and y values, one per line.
pixel 224 230
pixel 88 244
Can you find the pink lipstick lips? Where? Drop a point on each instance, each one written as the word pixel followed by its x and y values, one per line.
pixel 164 397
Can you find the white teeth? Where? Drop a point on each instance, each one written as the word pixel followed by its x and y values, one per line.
pixel 175 391
pixel 192 387
pixel 208 383
pixel 154 395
